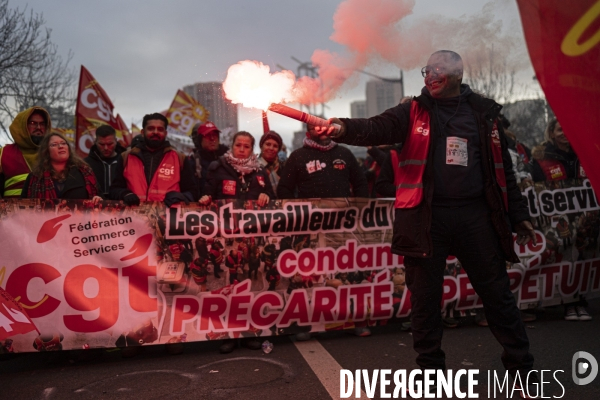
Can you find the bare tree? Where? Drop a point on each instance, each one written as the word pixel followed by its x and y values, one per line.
pixel 528 119
pixel 31 70
pixel 492 74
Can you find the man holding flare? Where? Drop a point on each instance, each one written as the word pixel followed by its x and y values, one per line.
pixel 456 194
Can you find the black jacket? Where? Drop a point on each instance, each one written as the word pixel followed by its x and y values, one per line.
pixel 151 160
pixel 256 182
pixel 337 175
pixel 412 226
pixel 201 160
pixel 104 169
pixel 569 160
pixel 74 188
pixel 384 186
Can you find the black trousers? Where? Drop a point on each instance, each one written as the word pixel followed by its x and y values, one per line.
pixel 467 233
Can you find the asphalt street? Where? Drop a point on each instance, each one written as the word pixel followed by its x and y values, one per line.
pixel 293 370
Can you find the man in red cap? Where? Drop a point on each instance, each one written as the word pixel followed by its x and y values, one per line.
pixel 208 149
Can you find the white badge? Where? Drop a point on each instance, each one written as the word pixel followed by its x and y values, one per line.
pixel 456 151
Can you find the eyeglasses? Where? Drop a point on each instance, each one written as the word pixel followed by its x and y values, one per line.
pixel 58 145
pixel 428 69
pixel 34 124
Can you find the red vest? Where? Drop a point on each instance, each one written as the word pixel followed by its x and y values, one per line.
pixel 15 170
pixel 199 270
pixel 409 167
pixel 165 179
pixel 555 171
pixel 217 256
pixel 234 264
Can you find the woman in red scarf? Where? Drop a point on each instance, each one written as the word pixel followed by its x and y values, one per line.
pixel 59 173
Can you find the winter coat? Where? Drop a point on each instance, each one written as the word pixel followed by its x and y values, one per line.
pixel 548 152
pixel 25 146
pixel 201 160
pixel 151 161
pixel 224 182
pixel 384 186
pixel 104 169
pixel 322 174
pixel 79 185
pixel 412 225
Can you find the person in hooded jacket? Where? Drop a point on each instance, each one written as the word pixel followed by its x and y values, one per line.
pixel 238 175
pixel 208 148
pixel 554 160
pixel 17 159
pixel 103 157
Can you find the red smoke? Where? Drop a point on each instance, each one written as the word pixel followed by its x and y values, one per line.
pixel 379 30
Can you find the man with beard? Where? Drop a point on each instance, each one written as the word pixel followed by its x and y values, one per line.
pixel 207 149
pixel 18 158
pixel 321 169
pixel 455 194
pixel 153 170
pixel 104 156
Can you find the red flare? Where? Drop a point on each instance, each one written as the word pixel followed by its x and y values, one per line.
pixel 300 115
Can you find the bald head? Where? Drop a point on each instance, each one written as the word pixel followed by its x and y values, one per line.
pixel 443 74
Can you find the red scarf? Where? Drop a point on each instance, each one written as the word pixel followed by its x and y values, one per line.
pixel 43 188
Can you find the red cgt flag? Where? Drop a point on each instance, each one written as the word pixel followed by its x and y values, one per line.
pixel 93 109
pixel 564 46
pixel 13 318
pixel 184 113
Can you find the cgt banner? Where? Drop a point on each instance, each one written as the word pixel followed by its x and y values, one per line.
pixel 85 276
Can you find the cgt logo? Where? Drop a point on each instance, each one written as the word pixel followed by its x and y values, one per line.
pixel 423 131
pixel 583 363
pixel 167 170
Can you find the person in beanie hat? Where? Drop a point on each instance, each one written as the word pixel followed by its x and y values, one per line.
pixel 207 149
pixel 270 145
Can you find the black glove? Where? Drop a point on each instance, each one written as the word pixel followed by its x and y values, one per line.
pixel 174 198
pixel 131 199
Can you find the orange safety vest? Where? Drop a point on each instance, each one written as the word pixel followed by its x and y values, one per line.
pixel 409 166
pixel 165 179
pixel 15 170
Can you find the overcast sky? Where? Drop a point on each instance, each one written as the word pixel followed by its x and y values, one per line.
pixel 142 51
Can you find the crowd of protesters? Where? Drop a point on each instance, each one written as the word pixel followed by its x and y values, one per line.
pixel 42 164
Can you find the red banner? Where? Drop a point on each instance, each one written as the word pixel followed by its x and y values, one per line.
pixel 563 42
pixel 105 275
pixel 93 109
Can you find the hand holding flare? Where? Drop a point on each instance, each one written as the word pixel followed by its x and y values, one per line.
pixel 307 118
